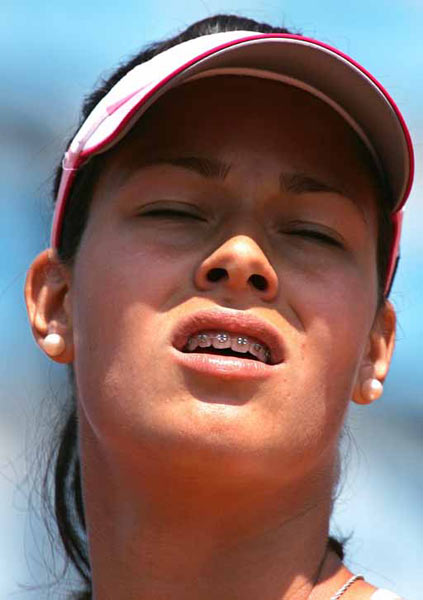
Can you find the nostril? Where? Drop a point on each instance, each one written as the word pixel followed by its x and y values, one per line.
pixel 216 274
pixel 259 282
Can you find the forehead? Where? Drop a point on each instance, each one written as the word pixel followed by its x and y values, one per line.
pixel 242 119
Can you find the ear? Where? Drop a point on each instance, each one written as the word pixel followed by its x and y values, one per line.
pixel 47 297
pixel 377 358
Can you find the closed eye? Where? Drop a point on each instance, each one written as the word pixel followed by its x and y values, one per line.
pixel 170 213
pixel 317 235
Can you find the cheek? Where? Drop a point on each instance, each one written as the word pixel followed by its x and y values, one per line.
pixel 111 277
pixel 116 308
pixel 336 329
pixel 325 359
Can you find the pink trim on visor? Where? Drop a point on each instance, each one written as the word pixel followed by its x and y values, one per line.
pixel 117 112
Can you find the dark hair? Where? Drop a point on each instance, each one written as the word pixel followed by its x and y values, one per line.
pixel 64 461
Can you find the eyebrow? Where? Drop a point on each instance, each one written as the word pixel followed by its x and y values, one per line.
pixel 300 183
pixel 213 168
pixel 295 183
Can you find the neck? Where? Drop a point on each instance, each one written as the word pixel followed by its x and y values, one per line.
pixel 161 532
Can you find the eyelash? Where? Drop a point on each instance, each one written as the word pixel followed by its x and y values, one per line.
pixel 175 214
pixel 169 212
pixel 318 235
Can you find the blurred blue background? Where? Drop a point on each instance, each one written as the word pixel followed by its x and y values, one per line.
pixel 52 53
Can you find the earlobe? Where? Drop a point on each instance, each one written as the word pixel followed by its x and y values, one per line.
pixel 54 344
pixel 371 389
pixel 47 289
pixel 377 358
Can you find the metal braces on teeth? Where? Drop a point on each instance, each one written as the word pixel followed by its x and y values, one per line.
pixel 222 340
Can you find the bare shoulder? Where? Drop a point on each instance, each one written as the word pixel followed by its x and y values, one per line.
pixel 337 580
pixel 382 594
pixel 362 590
pixel 365 591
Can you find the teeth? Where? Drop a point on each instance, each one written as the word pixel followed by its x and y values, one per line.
pixel 222 340
pixel 260 352
pixel 240 344
pixel 192 343
pixel 203 340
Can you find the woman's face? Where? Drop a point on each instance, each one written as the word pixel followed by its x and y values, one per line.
pixel 225 179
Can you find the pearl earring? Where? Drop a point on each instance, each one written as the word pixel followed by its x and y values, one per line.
pixel 371 389
pixel 54 344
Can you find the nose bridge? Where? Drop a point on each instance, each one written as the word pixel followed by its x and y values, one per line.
pixel 239 264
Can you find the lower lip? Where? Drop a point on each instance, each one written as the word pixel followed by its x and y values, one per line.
pixel 225 367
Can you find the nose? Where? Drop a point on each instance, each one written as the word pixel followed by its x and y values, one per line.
pixel 239 265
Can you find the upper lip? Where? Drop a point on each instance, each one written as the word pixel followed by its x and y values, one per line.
pixel 232 321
